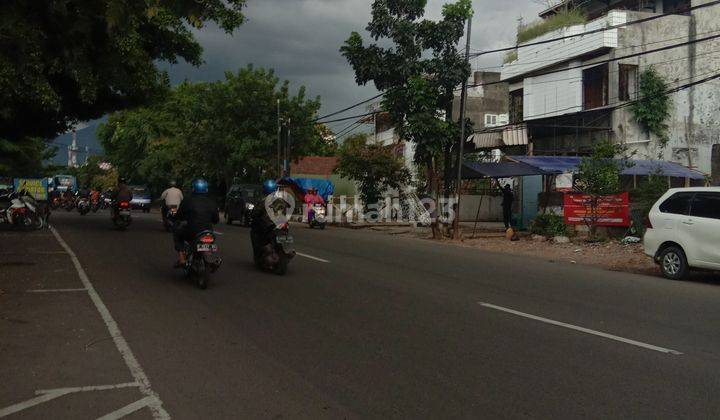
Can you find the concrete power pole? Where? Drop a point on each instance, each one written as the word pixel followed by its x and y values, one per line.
pixel 461 145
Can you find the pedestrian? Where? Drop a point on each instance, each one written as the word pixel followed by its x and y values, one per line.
pixel 507 203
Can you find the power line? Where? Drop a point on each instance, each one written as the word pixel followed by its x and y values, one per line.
pixel 610 60
pixel 349 107
pixel 611 108
pixel 611 27
pixel 614 49
pixel 348 118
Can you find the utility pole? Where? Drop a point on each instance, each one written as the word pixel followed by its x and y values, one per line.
pixel 461 146
pixel 279 138
pixel 286 164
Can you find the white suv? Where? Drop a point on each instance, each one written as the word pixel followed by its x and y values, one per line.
pixel 684 231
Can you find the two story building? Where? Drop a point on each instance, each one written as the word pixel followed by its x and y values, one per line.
pixel 569 93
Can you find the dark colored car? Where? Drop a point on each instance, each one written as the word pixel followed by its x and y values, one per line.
pixel 142 199
pixel 240 201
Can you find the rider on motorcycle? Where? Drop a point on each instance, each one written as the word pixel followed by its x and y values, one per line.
pixel 200 212
pixel 263 227
pixel 172 196
pixel 123 193
pixel 311 198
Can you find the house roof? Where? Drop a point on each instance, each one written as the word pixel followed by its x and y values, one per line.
pixel 314 165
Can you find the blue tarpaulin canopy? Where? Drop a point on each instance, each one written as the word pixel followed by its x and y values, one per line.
pixel 324 187
pixel 564 164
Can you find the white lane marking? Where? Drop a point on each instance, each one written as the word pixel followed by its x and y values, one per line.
pixel 31 402
pixel 128 409
pixel 46 395
pixel 132 363
pixel 581 329
pixel 218 233
pixel 55 290
pixel 311 257
pixel 89 388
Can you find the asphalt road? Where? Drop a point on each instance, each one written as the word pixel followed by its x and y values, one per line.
pixel 364 325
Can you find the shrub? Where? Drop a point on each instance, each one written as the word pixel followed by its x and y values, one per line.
pixel 510 56
pixel 562 19
pixel 549 225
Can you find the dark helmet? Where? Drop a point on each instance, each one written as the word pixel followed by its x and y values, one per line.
pixel 200 186
pixel 270 186
pixel 173 183
pixel 122 180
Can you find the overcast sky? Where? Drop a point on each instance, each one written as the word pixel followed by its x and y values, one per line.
pixel 301 39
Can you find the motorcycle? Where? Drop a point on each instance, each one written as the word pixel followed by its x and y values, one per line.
pixel 202 259
pixel 276 255
pixel 95 204
pixel 122 215
pixel 83 206
pixel 170 218
pixel 55 203
pixel 20 210
pixel 316 216
pixel 68 203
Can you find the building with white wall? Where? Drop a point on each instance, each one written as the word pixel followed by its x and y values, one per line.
pixel 574 91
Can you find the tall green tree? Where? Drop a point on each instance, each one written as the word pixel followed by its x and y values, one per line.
pixel 416 63
pixel 64 61
pixel 373 166
pixel 219 130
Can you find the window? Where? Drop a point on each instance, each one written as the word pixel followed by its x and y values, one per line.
pixel 595 87
pixel 490 120
pixel 516 106
pixel 678 203
pixel 706 205
pixel 628 82
pixel 676 6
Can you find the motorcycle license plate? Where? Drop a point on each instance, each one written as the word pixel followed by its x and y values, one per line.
pixel 124 212
pixel 206 248
pixel 285 239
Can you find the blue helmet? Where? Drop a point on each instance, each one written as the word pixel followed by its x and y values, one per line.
pixel 199 186
pixel 270 186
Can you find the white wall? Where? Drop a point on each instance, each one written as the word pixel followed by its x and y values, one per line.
pixel 547 55
pixel 553 94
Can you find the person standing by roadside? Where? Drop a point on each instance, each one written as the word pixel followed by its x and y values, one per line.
pixel 507 203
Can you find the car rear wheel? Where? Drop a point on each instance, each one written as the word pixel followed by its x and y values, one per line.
pixel 673 263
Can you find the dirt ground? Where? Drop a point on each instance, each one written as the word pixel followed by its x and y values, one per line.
pixel 610 255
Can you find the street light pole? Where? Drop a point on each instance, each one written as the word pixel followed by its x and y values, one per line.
pixel 463 100
pixel 279 138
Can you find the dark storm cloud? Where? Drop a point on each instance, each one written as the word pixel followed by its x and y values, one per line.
pixel 300 39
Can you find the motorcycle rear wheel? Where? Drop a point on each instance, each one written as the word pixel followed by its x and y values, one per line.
pixel 281 267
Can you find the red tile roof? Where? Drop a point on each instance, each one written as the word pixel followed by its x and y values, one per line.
pixel 314 165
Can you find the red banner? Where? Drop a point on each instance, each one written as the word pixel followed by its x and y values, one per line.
pixel 612 210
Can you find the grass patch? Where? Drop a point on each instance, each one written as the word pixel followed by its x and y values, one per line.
pixel 510 56
pixel 562 19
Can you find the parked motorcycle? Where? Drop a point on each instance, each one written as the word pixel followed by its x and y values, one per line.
pixel 20 210
pixel 121 216
pixel 202 259
pixel 276 255
pixel 95 205
pixel 316 216
pixel 55 203
pixel 83 206
pixel 170 218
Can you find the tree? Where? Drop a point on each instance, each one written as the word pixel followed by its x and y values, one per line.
pixel 652 109
pixel 64 61
pixel 373 166
pixel 419 75
pixel 599 176
pixel 220 130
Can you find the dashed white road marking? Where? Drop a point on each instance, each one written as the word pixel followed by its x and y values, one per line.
pixel 55 290
pixel 582 329
pixel 132 363
pixel 46 395
pixel 311 257
pixel 128 409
